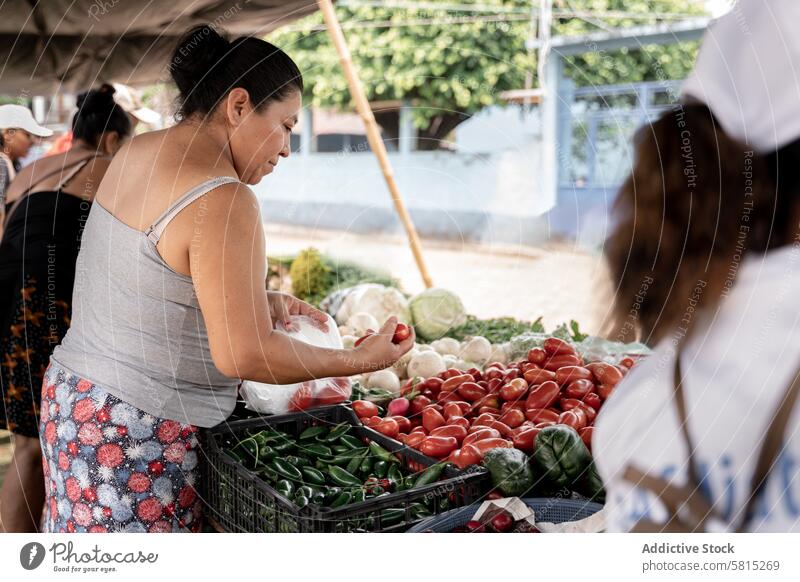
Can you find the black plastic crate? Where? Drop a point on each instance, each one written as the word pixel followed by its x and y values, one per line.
pixel 240 501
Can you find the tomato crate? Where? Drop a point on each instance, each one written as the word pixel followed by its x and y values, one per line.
pixel 239 500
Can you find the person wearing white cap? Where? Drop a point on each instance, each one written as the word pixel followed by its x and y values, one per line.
pixel 702 435
pixel 17 126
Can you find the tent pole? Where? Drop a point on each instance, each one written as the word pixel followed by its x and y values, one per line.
pixel 373 134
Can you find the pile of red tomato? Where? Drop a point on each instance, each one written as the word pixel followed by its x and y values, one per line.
pixel 459 415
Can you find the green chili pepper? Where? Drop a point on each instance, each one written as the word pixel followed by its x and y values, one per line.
pixel 332 493
pixel 268 472
pixel 342 499
pixel 358 496
pixel 337 431
pixel 430 475
pixel 317 450
pixel 392 516
pixel 394 475
pixel 285 488
pixel 287 470
pixel 366 466
pixel 313 432
pixel 298 462
pixel 381 453
pixel 342 477
pixel 380 469
pixel 350 441
pixel 301 501
pixel 305 491
pixel 312 475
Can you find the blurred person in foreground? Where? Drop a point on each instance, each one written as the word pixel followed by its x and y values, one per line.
pixel 703 435
pixel 48 203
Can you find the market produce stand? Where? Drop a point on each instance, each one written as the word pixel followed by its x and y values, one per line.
pixel 470 423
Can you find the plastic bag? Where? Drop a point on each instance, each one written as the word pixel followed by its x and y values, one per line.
pixel 279 399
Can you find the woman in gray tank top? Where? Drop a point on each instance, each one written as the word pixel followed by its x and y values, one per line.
pixel 170 310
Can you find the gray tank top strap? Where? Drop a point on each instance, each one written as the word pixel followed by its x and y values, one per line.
pixel 156 229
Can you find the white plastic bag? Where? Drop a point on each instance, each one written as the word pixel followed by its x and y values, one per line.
pixel 279 399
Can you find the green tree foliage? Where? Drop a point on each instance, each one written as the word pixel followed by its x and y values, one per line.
pixel 451 63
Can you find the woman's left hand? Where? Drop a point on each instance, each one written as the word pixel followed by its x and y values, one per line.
pixel 282 306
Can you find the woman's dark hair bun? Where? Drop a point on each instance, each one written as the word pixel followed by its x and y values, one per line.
pixel 206 66
pixel 98 113
pixel 97 99
pixel 198 53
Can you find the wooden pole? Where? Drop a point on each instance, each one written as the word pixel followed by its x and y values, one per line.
pixel 373 133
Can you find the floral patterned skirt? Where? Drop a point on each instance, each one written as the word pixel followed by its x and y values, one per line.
pixel 110 467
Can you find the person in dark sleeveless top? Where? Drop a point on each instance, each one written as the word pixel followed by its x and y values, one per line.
pixel 46 207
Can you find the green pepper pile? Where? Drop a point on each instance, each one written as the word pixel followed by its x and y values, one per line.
pixel 330 467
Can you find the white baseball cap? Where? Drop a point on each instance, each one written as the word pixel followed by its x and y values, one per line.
pixel 131 102
pixel 19 117
pixel 748 73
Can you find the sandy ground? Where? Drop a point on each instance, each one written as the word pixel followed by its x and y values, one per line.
pixel 556 282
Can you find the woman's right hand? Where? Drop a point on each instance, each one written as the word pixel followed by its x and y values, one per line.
pixel 377 351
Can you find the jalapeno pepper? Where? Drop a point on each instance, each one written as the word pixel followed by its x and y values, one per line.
pixel 342 477
pixel 287 470
pixel 313 432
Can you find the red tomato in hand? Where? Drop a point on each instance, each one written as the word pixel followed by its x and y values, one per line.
pixel 401 333
pixel 365 408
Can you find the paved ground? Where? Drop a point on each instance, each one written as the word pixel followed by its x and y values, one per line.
pixel 557 282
